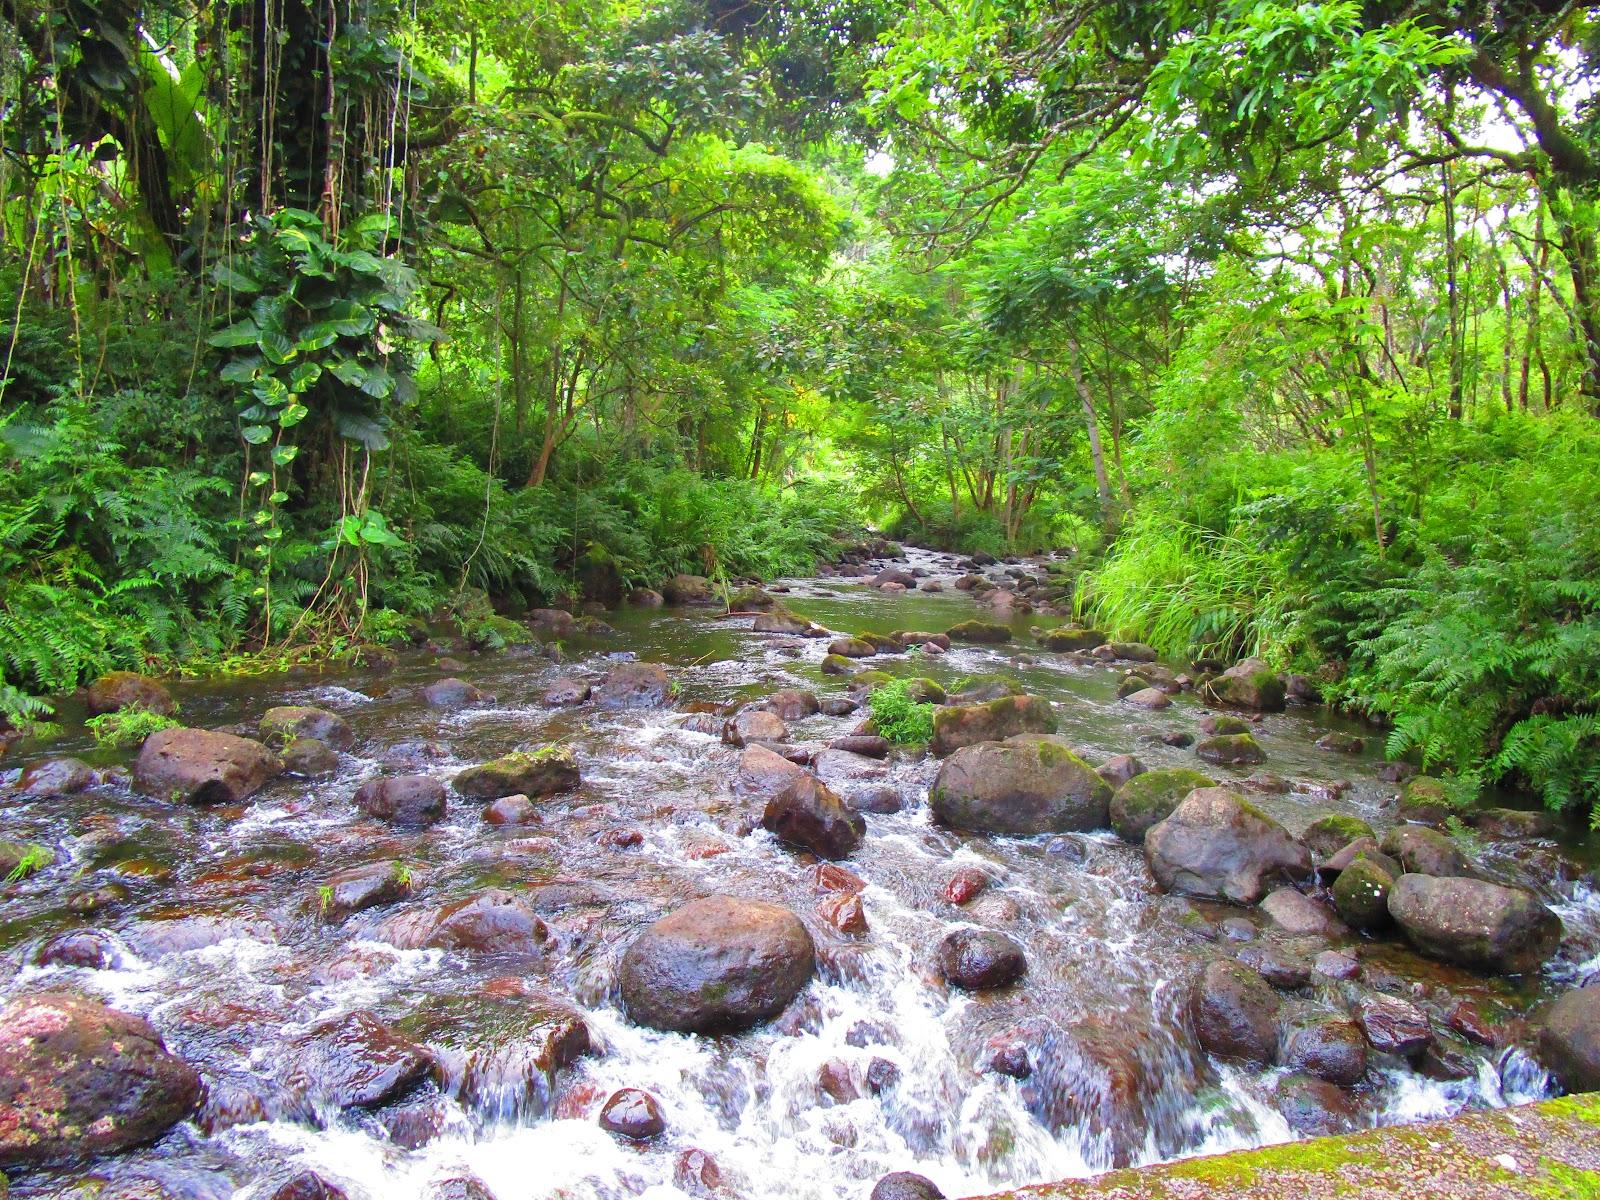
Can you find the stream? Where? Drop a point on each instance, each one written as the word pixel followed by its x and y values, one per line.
pixel 218 938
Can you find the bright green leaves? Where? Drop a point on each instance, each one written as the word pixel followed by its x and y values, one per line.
pixel 367 529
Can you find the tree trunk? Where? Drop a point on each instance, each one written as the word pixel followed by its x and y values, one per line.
pixel 1092 424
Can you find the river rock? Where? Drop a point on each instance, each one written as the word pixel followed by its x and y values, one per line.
pixel 1223 725
pixel 1361 893
pixel 1425 851
pixel 453 693
pixel 79 1079
pixel 808 814
pixel 117 690
pixel 1149 698
pixel 1330 1048
pixel 962 725
pixel 355 1061
pixel 411 800
pixel 634 685
pixel 309 758
pixel 1569 1039
pixel 754 725
pixel 1425 800
pixel 1019 788
pixel 1069 638
pixel 979 959
pixel 1514 824
pixel 1474 923
pixel 491 921
pixel 565 691
pixel 632 1114
pixel 360 888
pixel 849 647
pixel 722 963
pixel 532 773
pixel 1218 846
pixel 1117 771
pixel 307 1185
pixel 1329 834
pixel 764 772
pixel 1393 1025
pixel 981 632
pixel 282 725
pixel 1250 684
pixel 791 704
pixel 1341 743
pixel 866 745
pixel 1148 799
pixel 1235 1013
pixel 1278 965
pixel 1314 1107
pixel 1299 915
pixel 646 598
pixel 781 620
pixel 1231 749
pixel 689 589
pixel 91 948
pixel 198 766
pixel 844 911
pixel 836 664
pixel 905 1185
pixel 55 777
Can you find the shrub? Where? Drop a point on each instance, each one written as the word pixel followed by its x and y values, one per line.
pixel 898 717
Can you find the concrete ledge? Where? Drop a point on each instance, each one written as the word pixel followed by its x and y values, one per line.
pixel 1549 1150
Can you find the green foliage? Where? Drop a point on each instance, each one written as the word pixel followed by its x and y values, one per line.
pixel 899 717
pixel 33 859
pixel 127 727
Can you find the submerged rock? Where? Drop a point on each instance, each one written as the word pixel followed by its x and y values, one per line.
pixel 197 766
pixel 79 1079
pixel 355 1061
pixel 981 632
pixel 566 690
pixel 763 772
pixel 754 725
pixel 55 777
pixel 453 693
pixel 532 773
pixel 791 704
pixel 1019 788
pixel 1006 716
pixel 721 963
pixel 1218 846
pixel 633 1114
pixel 1067 638
pixel 1473 923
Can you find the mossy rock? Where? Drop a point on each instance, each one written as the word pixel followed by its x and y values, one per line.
pixel 871 678
pixel 1130 685
pixel 1425 800
pixel 1224 725
pixel 837 664
pixel 531 773
pixel 1231 749
pixel 1069 638
pixel 987 633
pixel 883 643
pixel 1361 894
pixel 494 632
pixel 752 599
pixel 1150 798
pixel 925 691
pixel 1329 834
pixel 964 725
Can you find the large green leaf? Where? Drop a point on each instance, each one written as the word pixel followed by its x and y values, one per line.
pixel 241 333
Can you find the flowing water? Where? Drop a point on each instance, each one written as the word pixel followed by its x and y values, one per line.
pixel 876 1067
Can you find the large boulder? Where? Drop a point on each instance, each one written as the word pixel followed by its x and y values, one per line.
pixel 1235 1013
pixel 1022 787
pixel 1569 1039
pixel 1474 923
pixel 781 620
pixel 125 689
pixel 809 815
pixel 1250 684
pixel 754 725
pixel 852 647
pixel 78 1079
pixel 791 704
pixel 1218 846
pixel 1148 799
pixel 967 724
pixel 764 772
pixel 283 725
pixel 198 766
pixel 634 685
pixel 1331 1048
pixel 411 800
pixel 722 963
pixel 531 773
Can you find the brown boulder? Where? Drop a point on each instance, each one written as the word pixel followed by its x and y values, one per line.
pixel 197 766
